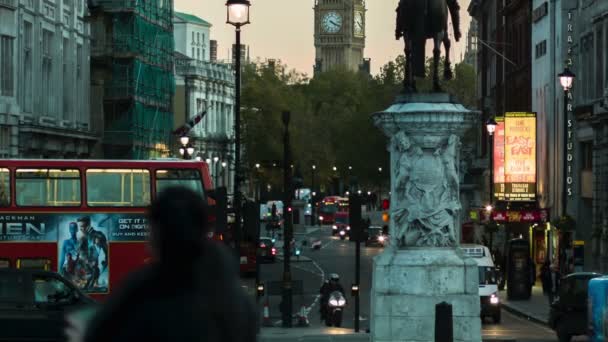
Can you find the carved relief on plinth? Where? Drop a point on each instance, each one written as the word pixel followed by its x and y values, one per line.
pixel 425 202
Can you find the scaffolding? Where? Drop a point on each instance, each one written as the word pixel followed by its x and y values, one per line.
pixel 140 86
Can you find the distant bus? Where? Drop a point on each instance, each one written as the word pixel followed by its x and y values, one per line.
pixel 329 206
pixel 85 218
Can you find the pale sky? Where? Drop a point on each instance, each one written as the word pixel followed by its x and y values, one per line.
pixel 284 29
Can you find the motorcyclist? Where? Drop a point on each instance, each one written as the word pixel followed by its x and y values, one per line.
pixel 329 286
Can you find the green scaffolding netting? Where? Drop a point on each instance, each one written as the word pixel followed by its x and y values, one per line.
pixel 147 126
pixel 148 83
pixel 157 11
pixel 133 34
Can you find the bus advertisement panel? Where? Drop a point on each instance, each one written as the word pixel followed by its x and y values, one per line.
pixel 86 219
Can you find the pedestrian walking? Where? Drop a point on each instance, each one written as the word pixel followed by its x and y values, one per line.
pixel 190 292
pixel 547 280
pixel 555 280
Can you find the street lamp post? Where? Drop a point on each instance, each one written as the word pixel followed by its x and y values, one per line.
pixel 491 127
pixel 379 186
pixel 313 195
pixel 237 15
pixel 566 78
pixel 186 149
pixel 287 286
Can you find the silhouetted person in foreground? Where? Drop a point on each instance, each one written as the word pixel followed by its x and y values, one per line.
pixel 191 292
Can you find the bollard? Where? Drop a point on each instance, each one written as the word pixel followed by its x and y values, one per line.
pixel 443 323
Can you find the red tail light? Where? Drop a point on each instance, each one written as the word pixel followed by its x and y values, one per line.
pixel 274 251
pixel 262 245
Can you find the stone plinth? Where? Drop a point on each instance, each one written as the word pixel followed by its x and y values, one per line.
pixel 408 283
pixel 423 265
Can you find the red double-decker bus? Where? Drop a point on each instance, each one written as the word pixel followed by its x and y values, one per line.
pixel 330 206
pixel 85 219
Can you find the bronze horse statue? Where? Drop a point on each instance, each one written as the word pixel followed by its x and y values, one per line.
pixel 417 21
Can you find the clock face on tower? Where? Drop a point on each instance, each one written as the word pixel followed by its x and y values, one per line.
pixel 359 28
pixel 331 22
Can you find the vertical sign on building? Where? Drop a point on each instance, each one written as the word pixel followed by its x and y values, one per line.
pixel 499 159
pixel 569 110
pixel 520 156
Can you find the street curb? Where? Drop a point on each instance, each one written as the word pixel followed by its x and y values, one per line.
pixel 525 315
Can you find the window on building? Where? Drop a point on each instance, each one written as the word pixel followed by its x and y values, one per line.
pixel 587 156
pixel 193 41
pixel 199 106
pixel 198 37
pixel 5 188
pixel 118 188
pixel 28 99
pixel 47 187
pixel 80 86
pixel 198 53
pixel 204 54
pixel 599 57
pixel 67 95
pixel 6 66
pixel 192 53
pixel 5 140
pixel 541 49
pixel 47 72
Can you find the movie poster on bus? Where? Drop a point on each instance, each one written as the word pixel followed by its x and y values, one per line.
pixel 27 228
pixel 520 156
pixel 83 250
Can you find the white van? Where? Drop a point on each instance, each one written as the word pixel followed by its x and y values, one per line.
pixel 488 280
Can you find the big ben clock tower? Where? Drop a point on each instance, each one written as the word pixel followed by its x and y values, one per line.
pixel 339 34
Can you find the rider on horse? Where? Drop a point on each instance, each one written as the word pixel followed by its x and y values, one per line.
pixel 453 7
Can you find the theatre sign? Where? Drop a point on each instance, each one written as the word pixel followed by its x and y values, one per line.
pixel 515 156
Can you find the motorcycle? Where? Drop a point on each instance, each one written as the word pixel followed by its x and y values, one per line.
pixel 335 306
pixel 342 234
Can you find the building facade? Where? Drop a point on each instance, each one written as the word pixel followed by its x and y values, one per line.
pixel 132 77
pixel 339 34
pixel 584 44
pixel 44 80
pixel 507 83
pixel 205 85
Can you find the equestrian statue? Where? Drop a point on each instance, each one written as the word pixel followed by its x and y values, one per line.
pixel 417 21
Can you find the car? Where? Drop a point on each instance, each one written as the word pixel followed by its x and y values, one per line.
pixel 33 304
pixel 375 237
pixel 267 252
pixel 568 313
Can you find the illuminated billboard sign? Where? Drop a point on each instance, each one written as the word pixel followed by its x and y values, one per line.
pixel 499 159
pixel 519 161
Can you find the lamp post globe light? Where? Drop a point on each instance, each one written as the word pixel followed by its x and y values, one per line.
pixel 237 14
pixel 491 128
pixel 186 150
pixel 566 79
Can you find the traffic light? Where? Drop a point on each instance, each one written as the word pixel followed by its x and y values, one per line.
pixel 386 204
pixel 220 195
pixel 354 216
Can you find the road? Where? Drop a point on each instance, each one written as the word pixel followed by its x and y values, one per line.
pixel 338 256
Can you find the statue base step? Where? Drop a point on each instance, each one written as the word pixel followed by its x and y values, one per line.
pixel 408 283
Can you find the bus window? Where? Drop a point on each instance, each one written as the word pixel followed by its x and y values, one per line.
pixel 187 178
pixel 118 187
pixel 5 188
pixel 5 263
pixel 34 264
pixel 48 187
